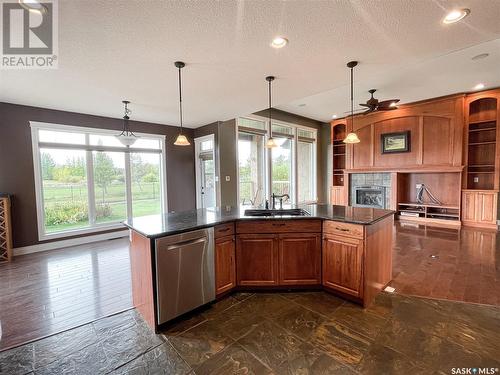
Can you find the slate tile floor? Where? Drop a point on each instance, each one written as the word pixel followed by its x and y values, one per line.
pixel 285 333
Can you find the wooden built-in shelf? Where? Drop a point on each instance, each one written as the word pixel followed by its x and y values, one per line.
pixel 339 153
pixel 429 213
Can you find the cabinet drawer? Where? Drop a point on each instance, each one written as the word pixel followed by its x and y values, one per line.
pixel 346 229
pixel 223 230
pixel 278 226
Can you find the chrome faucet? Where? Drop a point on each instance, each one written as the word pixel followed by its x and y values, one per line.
pixel 274 196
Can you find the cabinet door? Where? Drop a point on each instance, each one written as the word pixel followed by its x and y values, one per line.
pixel 225 267
pixel 300 259
pixel 342 264
pixel 257 259
pixel 486 208
pixel 469 206
pixel 338 195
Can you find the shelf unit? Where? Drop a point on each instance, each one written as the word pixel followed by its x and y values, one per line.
pixel 431 211
pixel 445 186
pixel 339 154
pixel 481 144
pixel 5 229
pixel 482 159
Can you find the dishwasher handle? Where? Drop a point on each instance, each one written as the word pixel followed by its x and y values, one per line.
pixel 185 243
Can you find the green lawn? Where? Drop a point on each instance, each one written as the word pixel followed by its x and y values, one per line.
pixel 145 201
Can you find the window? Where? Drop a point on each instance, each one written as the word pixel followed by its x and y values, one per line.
pixel 251 168
pixel 306 166
pixel 87 181
pixel 289 169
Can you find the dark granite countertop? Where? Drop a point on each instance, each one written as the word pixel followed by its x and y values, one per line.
pixel 156 226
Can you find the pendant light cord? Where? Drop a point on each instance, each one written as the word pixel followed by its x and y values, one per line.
pixel 352 97
pixel 270 111
pixel 180 97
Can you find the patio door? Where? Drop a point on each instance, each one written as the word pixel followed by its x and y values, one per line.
pixel 205 172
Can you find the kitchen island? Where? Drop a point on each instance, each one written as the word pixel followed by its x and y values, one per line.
pixel 341 249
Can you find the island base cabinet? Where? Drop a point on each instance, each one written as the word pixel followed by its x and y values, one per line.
pixel 343 264
pixel 257 259
pixel 300 259
pixel 225 266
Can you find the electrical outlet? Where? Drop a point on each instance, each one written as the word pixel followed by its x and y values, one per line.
pixel 228 178
pixel 476 179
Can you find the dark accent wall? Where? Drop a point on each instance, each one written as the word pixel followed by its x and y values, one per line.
pixel 16 161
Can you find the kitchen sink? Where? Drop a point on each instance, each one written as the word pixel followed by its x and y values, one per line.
pixel 282 212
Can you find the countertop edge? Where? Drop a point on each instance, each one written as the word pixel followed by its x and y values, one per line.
pixel 223 221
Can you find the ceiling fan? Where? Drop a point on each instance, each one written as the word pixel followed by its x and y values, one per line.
pixel 373 104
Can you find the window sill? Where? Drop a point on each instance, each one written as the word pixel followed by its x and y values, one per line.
pixel 80 232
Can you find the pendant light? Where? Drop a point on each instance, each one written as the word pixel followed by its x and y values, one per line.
pixel 271 143
pixel 181 138
pixel 126 137
pixel 352 137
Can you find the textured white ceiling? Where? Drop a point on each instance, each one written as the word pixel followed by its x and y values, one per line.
pixel 114 49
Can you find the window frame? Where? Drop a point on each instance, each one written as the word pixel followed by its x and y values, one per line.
pixel 92 226
pixel 268 157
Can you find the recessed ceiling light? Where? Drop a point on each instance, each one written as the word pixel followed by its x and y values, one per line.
pixel 456 15
pixel 481 56
pixel 334 116
pixel 479 86
pixel 33 6
pixel 279 42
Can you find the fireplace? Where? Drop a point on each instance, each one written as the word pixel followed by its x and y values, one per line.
pixel 369 196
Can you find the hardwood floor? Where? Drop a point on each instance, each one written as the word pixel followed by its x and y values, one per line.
pixel 465 266
pixel 45 293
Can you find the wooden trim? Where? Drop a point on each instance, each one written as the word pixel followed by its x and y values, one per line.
pixel 420 150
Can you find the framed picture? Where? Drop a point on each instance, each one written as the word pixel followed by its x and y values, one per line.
pixel 395 142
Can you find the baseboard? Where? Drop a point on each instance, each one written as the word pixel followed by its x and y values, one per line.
pixel 70 242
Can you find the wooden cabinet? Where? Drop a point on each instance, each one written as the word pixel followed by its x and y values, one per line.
pixel 343 264
pixel 300 259
pixel 337 196
pixel 225 266
pixel 479 208
pixel 257 259
pixel 278 252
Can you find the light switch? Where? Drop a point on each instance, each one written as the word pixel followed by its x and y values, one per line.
pixel 228 178
pixel 476 179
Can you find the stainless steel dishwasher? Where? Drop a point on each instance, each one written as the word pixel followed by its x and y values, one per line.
pixel 185 272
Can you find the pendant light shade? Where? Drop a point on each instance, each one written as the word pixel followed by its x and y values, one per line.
pixel 181 139
pixel 126 137
pixel 352 137
pixel 271 142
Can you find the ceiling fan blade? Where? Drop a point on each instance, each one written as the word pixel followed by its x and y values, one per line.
pixel 387 103
pixel 365 105
pixel 368 111
pixel 387 108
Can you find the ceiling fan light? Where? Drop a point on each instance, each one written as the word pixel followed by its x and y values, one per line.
pixel 271 143
pixel 351 138
pixel 181 140
pixel 393 104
